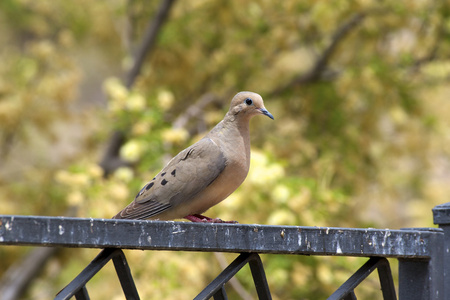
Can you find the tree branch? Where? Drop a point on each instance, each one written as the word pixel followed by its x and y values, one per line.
pixel 111 160
pixel 149 41
pixel 433 52
pixel 195 111
pixel 320 65
pixel 20 275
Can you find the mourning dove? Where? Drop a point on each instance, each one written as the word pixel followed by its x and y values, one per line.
pixel 203 174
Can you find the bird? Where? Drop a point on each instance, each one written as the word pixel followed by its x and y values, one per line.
pixel 203 174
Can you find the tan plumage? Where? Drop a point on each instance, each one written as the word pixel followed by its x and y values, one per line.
pixel 203 174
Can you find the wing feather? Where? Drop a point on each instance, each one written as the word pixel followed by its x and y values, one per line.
pixel 186 175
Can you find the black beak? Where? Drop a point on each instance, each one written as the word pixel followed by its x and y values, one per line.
pixel 266 113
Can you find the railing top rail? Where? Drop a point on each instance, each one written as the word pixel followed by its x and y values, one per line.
pixel 187 236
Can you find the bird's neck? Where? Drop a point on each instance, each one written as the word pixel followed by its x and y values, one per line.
pixel 233 134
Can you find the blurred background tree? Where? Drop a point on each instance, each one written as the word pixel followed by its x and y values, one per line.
pixel 359 91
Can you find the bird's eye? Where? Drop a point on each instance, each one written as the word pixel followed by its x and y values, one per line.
pixel 248 101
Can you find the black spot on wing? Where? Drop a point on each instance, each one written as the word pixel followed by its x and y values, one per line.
pixel 162 174
pixel 174 172
pixel 164 182
pixel 149 186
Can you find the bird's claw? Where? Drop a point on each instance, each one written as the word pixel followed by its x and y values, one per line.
pixel 197 218
pixel 217 220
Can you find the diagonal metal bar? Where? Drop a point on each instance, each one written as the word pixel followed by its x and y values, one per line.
pixel 386 280
pixel 124 273
pixel 80 281
pixel 258 274
pixel 350 296
pixel 82 294
pixel 221 294
pixel 78 285
pixel 259 278
pixel 362 273
pixel 224 277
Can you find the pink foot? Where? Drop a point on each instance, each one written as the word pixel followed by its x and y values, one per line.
pixel 204 219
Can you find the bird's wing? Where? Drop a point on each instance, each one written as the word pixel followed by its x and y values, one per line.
pixel 187 174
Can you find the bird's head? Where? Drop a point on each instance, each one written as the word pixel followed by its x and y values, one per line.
pixel 247 104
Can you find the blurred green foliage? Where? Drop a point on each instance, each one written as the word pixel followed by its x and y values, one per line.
pixel 359 91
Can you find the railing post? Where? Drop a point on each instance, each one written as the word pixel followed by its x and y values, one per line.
pixel 441 217
pixel 422 279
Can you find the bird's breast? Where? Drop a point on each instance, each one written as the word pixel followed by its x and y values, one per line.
pixel 227 182
pixel 235 146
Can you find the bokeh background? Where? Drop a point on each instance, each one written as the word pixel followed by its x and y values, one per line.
pixel 93 103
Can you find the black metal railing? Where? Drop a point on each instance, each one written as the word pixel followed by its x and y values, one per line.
pixel 77 287
pixel 423 253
